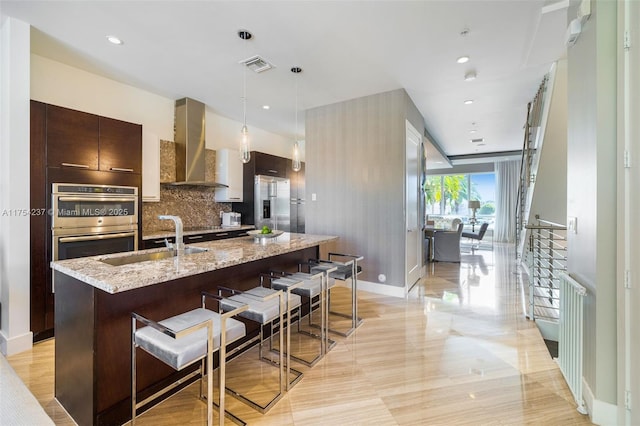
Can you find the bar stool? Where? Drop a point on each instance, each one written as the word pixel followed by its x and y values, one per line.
pixel 183 340
pixel 337 270
pixel 310 286
pixel 265 306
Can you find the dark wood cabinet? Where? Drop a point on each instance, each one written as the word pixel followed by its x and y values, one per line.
pixel 72 138
pixel 120 146
pixel 76 139
pixel 41 306
pixel 267 164
pixel 232 233
pixel 260 164
pixel 66 146
pixel 197 238
pixel 156 243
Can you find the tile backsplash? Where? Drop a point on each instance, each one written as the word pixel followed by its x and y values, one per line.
pixel 195 205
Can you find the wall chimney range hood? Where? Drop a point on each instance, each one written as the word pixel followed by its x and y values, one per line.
pixel 189 138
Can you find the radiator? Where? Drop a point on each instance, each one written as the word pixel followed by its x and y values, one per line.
pixel 571 335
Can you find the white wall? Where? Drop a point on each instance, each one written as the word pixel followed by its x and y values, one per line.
pixel 223 132
pixel 14 186
pixel 549 192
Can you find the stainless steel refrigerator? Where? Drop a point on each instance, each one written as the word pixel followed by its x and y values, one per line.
pixel 271 207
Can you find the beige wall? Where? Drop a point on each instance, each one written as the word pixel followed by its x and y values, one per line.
pixel 59 84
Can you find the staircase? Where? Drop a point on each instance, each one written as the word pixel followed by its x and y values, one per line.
pixel 528 165
pixel 542 198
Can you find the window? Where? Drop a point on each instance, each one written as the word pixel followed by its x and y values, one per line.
pixel 447 196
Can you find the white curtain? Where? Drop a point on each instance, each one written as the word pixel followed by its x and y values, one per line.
pixel 507 176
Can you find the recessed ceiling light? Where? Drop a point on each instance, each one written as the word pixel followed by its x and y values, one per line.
pixel 265 107
pixel 470 76
pixel 462 59
pixel 114 40
pixel 438 162
pixel 468 102
pixel 472 131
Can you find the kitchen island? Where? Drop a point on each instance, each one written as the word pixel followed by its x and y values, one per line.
pixel 94 301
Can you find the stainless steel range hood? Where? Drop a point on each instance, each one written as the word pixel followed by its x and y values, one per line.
pixel 189 137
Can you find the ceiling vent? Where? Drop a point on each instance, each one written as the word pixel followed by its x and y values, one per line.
pixel 257 64
pixel 479 140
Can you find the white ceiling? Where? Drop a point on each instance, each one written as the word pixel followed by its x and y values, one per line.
pixel 347 49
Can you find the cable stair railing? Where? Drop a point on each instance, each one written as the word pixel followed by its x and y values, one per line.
pixel 527 174
pixel 548 246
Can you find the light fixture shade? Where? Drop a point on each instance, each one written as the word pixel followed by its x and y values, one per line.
pixel 474 204
pixel 296 165
pixel 245 149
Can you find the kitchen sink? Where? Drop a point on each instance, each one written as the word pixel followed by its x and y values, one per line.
pixel 144 257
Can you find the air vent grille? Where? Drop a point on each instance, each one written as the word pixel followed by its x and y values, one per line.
pixel 478 140
pixel 257 64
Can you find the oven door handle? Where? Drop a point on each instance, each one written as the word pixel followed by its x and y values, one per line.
pixel 96 237
pixel 121 200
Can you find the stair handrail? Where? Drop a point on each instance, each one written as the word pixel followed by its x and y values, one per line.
pixel 549 257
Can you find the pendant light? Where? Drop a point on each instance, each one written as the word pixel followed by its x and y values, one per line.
pixel 296 165
pixel 245 149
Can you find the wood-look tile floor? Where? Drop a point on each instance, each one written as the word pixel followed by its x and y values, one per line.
pixel 457 350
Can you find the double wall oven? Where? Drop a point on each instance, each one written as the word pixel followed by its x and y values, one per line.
pixel 89 220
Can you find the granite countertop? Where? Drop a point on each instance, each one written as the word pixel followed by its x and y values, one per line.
pixel 220 254
pixel 198 231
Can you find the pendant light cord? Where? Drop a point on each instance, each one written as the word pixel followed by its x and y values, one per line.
pixel 244 92
pixel 296 135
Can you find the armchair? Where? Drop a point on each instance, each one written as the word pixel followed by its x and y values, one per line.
pixel 446 245
pixel 479 236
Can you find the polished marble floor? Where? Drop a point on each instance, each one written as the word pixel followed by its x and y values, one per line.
pixel 457 350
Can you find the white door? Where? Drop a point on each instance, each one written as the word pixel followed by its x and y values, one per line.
pixel 413 249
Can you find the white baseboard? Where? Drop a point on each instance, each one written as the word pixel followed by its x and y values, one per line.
pixel 16 344
pixel 384 289
pixel 601 413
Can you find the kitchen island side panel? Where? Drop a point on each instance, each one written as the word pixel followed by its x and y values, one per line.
pixel 111 332
pixel 74 349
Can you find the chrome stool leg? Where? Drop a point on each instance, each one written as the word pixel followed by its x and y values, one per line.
pixel 265 307
pixel 179 342
pixel 309 286
pixel 343 271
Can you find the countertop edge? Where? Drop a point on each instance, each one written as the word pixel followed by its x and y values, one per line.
pixel 92 271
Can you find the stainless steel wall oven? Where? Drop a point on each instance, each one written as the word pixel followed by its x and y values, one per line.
pixel 89 220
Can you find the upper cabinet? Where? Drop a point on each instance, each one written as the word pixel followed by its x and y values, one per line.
pixel 229 172
pixel 81 140
pixel 120 146
pixel 72 138
pixel 268 165
pixel 150 166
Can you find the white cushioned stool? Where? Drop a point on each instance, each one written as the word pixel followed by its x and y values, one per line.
pixel 343 271
pixel 309 286
pixel 265 306
pixel 183 340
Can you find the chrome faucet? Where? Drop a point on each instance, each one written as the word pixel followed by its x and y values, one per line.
pixel 178 245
